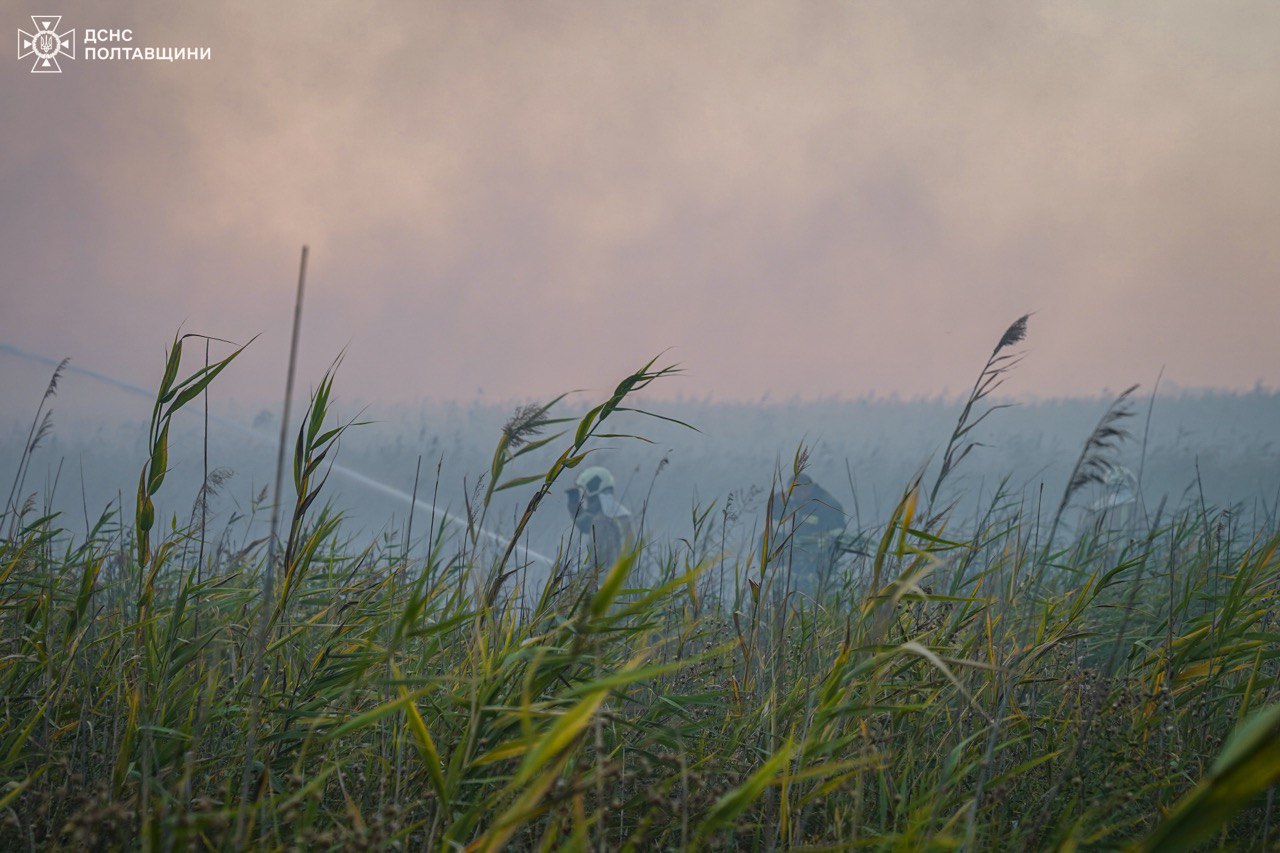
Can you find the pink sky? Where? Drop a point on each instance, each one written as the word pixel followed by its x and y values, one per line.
pixel 798 199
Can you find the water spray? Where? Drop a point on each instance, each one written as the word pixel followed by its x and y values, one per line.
pixel 263 436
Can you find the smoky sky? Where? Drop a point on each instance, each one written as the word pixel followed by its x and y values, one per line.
pixel 789 199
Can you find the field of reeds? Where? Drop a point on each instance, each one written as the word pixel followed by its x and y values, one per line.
pixel 1003 681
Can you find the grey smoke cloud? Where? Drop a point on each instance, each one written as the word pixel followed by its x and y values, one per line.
pixel 798 199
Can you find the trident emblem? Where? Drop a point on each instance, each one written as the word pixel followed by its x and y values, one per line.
pixel 47 44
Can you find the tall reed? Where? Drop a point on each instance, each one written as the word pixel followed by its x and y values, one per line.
pixel 921 698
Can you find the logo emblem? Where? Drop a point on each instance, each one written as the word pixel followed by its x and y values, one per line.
pixel 47 44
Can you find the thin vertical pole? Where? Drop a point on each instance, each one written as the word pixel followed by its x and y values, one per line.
pixel 247 789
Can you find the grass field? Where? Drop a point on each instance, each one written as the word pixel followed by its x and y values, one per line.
pixel 994 685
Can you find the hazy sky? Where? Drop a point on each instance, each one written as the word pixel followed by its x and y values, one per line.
pixel 800 199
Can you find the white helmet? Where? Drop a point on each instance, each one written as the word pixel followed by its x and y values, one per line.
pixel 594 480
pixel 1120 487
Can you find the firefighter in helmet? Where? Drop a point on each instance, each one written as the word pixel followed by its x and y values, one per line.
pixel 605 524
pixel 1116 508
pixel 814 520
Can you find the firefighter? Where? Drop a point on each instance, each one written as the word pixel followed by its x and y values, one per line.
pixel 605 524
pixel 1116 508
pixel 814 520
